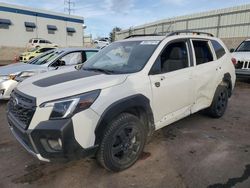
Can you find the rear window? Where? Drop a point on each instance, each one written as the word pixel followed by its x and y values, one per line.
pixel 219 50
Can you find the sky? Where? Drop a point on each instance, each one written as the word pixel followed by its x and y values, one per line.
pixel 101 16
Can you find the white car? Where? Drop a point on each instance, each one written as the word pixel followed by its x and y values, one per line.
pixel 11 75
pixel 101 43
pixel 110 109
pixel 39 42
pixel 242 59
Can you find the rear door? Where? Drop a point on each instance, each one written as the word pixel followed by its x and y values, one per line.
pixel 206 73
pixel 172 84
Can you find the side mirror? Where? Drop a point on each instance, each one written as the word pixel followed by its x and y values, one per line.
pixel 59 63
pixel 231 50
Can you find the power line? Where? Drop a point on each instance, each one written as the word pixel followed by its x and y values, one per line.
pixel 69 4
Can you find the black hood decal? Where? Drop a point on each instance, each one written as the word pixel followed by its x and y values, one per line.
pixel 64 77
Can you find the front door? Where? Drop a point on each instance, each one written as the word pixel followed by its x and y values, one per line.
pixel 172 84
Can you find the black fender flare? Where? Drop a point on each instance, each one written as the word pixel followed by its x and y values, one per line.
pixel 124 105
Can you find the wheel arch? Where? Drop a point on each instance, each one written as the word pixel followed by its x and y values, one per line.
pixel 138 105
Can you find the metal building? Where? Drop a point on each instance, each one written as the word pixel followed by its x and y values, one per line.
pixel 19 24
pixel 230 24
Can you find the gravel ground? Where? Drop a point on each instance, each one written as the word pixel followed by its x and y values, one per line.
pixel 195 152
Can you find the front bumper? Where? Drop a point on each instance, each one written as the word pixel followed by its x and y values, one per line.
pixel 6 87
pixel 36 141
pixel 242 73
pixel 23 58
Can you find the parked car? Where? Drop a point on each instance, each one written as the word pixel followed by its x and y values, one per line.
pixel 101 43
pixel 241 59
pixel 26 56
pixel 11 75
pixel 110 108
pixel 39 42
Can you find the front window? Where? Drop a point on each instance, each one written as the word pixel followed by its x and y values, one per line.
pixel 244 47
pixel 122 57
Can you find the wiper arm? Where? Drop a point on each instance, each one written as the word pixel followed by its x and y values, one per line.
pixel 100 70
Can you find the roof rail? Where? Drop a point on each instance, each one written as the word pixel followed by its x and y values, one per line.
pixel 141 35
pixel 188 31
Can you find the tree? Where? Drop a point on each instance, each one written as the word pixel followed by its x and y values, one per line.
pixel 112 34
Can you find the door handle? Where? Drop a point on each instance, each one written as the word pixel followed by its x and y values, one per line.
pixel 157 84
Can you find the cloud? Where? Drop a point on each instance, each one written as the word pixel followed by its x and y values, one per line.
pixel 175 2
pixel 121 6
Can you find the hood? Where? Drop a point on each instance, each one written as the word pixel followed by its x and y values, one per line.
pixel 19 67
pixel 241 55
pixel 67 82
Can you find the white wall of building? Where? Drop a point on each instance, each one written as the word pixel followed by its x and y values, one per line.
pixel 17 36
pixel 229 23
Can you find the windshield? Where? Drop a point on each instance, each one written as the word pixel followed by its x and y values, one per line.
pixel 44 58
pixel 122 57
pixel 32 49
pixel 244 47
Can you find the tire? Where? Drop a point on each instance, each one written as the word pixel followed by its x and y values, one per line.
pixel 219 104
pixel 122 143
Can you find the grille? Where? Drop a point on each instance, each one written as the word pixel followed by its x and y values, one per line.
pixel 22 108
pixel 243 65
pixel 20 58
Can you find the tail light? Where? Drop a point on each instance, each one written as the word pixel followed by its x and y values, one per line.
pixel 234 61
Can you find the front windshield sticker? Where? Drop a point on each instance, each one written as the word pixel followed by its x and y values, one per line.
pixel 153 42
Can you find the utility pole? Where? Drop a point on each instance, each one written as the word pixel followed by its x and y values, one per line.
pixel 69 4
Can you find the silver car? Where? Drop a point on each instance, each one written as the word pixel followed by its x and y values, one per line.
pixel 11 75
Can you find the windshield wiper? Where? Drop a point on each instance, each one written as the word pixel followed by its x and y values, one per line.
pixel 100 70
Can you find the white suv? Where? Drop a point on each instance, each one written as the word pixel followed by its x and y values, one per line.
pixel 102 43
pixel 38 43
pixel 241 58
pixel 111 105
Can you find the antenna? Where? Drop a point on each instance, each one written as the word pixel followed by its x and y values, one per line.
pixel 69 4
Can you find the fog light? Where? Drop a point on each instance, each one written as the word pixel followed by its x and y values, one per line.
pixel 55 144
pixel 51 145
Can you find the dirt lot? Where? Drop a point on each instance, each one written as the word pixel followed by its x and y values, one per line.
pixel 195 152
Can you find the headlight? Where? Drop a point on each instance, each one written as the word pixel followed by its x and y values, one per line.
pixel 9 77
pixel 65 108
pixel 26 74
pixel 4 77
